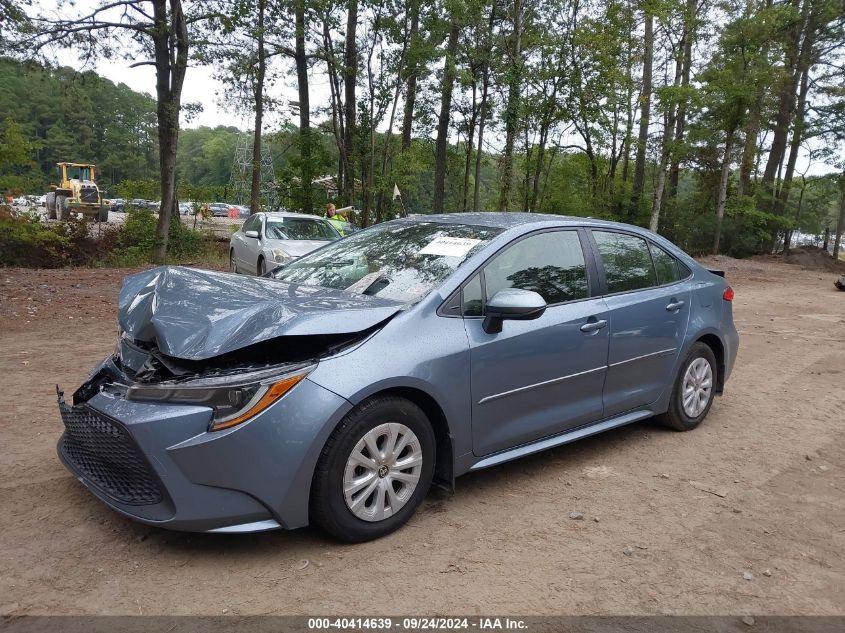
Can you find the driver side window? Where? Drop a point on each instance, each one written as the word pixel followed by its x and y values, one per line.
pixel 253 223
pixel 551 264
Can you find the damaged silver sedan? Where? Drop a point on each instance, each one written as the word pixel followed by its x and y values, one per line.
pixel 336 390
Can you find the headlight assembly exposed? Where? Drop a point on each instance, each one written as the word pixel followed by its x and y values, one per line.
pixel 234 399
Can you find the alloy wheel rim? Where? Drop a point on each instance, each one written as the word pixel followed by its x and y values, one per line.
pixel 382 472
pixel 697 387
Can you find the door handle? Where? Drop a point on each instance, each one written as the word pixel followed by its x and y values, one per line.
pixel 675 305
pixel 593 326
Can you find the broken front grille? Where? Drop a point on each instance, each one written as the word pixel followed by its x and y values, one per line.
pixel 101 451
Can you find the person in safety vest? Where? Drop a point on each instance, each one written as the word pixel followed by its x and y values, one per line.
pixel 337 220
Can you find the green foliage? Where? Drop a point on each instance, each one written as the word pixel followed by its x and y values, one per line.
pixel 82 117
pixel 136 240
pixel 25 241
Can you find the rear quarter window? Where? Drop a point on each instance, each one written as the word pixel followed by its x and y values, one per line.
pixel 668 268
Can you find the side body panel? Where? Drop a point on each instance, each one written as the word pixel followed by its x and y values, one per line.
pixel 645 341
pixel 417 349
pixel 538 377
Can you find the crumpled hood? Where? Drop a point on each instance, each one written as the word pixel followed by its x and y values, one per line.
pixel 199 314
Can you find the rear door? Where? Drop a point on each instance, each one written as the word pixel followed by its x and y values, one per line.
pixel 540 377
pixel 649 310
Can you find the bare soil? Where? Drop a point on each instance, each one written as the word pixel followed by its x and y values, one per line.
pixel 744 515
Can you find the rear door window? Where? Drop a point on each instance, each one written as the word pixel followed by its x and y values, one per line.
pixel 627 261
pixel 551 264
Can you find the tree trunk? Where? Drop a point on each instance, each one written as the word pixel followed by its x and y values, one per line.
pixel 413 71
pixel 665 151
pixel 688 39
pixel 350 75
pixel 443 120
pixel 787 239
pixel 305 167
pixel 786 105
pixel 512 108
pixel 338 126
pixel 388 137
pixel 538 166
pixel 749 150
pixel 470 138
pixel 170 48
pixel 260 72
pixel 645 114
pixel 840 223
pixel 723 189
pixel 482 115
pixel 752 129
pixel 797 137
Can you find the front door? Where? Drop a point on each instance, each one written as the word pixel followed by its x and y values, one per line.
pixel 649 310
pixel 540 377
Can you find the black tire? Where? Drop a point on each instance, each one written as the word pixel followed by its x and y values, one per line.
pixel 261 267
pixel 233 265
pixel 676 418
pixel 103 214
pixel 328 508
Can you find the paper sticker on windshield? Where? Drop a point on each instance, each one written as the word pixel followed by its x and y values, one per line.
pixel 449 246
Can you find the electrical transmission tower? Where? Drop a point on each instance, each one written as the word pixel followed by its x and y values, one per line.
pixel 240 182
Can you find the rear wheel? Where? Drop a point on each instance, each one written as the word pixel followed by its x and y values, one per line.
pixel 374 470
pixel 233 265
pixel 261 267
pixel 693 391
pixel 103 214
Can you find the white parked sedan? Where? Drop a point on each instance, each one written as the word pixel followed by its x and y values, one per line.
pixel 268 240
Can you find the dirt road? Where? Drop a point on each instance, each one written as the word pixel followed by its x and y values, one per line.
pixel 761 530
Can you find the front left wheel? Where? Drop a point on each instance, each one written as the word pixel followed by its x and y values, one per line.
pixel 374 470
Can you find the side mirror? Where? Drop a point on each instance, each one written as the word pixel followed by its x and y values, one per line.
pixel 512 303
pixel 253 234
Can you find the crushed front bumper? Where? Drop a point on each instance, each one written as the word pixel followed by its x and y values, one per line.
pixel 158 463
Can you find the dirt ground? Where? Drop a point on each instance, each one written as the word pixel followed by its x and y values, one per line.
pixel 744 515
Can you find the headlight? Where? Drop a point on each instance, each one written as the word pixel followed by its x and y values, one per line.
pixel 234 399
pixel 279 255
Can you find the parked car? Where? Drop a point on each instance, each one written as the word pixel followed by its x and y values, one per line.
pixel 219 209
pixel 268 240
pixel 186 208
pixel 335 391
pixel 118 205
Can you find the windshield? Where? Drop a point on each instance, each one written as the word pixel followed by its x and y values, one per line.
pixel 78 173
pixel 299 229
pixel 402 261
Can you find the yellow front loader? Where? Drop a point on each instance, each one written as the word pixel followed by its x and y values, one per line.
pixel 77 192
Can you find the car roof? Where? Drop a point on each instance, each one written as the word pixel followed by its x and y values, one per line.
pixel 278 215
pixel 512 219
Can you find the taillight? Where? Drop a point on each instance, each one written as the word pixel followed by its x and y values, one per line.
pixel 728 294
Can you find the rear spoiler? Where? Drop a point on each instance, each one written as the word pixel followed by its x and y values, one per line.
pixel 720 273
